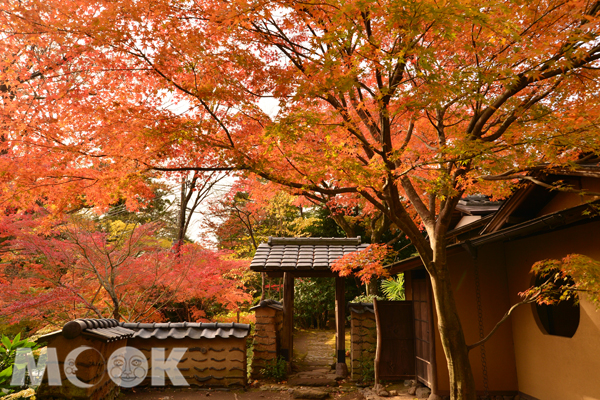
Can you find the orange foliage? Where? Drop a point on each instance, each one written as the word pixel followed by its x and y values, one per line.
pixel 565 279
pixel 365 264
pixel 78 269
pixel 404 106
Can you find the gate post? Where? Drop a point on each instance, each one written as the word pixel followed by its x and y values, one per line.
pixel 287 344
pixel 341 369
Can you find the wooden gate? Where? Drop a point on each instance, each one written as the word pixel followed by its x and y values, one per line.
pixel 423 334
pixel 395 357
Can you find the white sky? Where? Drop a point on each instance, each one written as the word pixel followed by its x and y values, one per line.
pixel 196 230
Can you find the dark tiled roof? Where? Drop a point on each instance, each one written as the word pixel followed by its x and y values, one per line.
pixel 110 330
pixel 269 303
pixel 477 205
pixel 302 253
pixel 584 213
pixel 104 329
pixel 192 330
pixel 273 241
pixel 361 308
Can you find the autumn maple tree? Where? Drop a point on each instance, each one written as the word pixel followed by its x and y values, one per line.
pixel 85 268
pixel 404 106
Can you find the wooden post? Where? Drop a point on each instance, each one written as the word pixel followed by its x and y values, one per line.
pixel 433 363
pixel 378 348
pixel 341 369
pixel 287 347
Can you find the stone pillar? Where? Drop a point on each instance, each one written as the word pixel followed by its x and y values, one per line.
pixel 267 338
pixel 364 338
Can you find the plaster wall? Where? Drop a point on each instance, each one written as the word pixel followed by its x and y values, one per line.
pixel 553 367
pixel 214 362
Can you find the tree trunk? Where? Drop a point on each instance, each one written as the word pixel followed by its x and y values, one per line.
pixel 181 217
pixel 462 383
pixel 433 255
pixel 372 287
pixel 379 224
pixel 341 221
pixel 116 311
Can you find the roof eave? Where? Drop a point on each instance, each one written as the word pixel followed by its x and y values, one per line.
pixel 572 216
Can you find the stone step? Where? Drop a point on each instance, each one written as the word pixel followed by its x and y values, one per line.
pixel 315 372
pixel 312 381
pixel 309 394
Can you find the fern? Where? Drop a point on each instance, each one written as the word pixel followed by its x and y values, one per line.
pixel 393 289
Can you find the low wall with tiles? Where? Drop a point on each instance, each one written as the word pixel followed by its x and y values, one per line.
pixel 207 362
pixel 102 337
pixel 211 355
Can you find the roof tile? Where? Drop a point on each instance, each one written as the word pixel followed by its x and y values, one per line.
pixel 193 330
pixel 303 253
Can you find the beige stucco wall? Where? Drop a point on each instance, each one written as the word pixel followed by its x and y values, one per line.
pixel 553 367
pixel 217 362
pixel 520 357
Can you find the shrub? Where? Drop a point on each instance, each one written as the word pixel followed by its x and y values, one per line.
pixel 366 298
pixel 275 369
pixel 8 351
pixel 366 364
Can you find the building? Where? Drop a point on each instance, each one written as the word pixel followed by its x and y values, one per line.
pixel 540 352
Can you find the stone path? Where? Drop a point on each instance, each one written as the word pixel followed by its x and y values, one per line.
pixel 195 394
pixel 314 355
pixel 314 349
pixel 314 378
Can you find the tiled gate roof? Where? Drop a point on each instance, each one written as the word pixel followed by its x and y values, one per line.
pixel 290 254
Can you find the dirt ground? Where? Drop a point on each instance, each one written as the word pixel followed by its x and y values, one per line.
pixel 189 394
pixel 312 349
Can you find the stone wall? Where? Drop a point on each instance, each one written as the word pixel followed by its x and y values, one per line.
pixel 269 321
pixel 363 336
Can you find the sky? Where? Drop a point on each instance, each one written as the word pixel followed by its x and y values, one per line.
pixel 197 230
